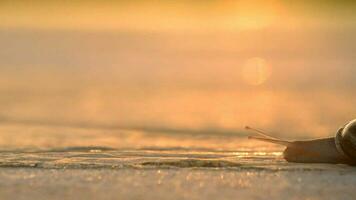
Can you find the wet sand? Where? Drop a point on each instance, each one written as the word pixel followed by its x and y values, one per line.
pixel 26 183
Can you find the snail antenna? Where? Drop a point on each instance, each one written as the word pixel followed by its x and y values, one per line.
pixel 260 132
pixel 263 136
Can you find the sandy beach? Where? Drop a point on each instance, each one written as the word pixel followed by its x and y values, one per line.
pixel 64 166
pixel 304 183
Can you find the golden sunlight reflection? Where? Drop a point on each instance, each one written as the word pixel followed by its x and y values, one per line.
pixel 143 15
pixel 252 14
pixel 256 71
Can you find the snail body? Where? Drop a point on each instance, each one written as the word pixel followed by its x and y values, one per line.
pixel 339 149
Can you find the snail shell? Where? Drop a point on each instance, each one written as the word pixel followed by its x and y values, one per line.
pixel 346 140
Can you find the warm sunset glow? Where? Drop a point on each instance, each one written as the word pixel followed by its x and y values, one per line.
pixel 167 16
pixel 190 64
pixel 246 15
pixel 150 99
pixel 256 71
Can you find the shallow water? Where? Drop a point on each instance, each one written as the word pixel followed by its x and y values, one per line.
pixel 107 158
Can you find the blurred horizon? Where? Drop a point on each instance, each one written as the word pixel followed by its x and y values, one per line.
pixel 283 66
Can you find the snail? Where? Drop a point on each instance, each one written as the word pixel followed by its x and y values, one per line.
pixel 340 149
